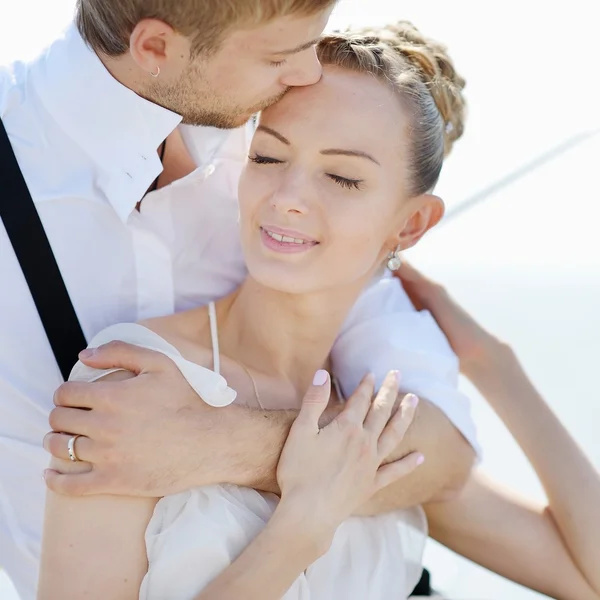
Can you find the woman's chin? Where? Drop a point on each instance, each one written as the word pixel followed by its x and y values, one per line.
pixel 284 279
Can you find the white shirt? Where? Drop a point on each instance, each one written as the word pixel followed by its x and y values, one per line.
pixel 87 148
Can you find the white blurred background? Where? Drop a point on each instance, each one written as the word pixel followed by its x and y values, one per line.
pixel 520 246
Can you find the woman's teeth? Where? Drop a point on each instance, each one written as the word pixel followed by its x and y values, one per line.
pixel 285 238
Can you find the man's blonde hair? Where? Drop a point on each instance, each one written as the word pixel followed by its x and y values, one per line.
pixel 106 25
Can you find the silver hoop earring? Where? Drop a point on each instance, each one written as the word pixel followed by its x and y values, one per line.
pixel 394 261
pixel 155 75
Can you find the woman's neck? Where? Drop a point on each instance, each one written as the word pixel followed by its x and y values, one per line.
pixel 287 336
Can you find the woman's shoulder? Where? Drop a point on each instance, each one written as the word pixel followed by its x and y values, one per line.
pixel 188 332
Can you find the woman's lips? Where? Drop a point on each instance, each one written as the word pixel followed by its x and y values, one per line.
pixel 286 241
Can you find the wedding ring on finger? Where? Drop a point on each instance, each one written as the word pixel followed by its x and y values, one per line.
pixel 71 448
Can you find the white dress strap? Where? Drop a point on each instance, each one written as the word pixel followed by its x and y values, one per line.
pixel 214 336
pixel 209 385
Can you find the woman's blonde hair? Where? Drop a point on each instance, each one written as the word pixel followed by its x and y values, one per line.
pixel 423 75
pixel 106 25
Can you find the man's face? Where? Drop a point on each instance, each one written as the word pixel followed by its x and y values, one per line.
pixel 250 71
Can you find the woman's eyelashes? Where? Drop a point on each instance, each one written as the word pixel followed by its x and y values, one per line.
pixel 349 184
pixel 264 160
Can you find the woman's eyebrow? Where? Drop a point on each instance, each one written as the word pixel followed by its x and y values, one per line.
pixel 327 152
pixel 274 133
pixel 357 153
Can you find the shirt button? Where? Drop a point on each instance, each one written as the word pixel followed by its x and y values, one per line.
pixel 209 171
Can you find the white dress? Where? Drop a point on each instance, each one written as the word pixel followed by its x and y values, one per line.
pixel 193 536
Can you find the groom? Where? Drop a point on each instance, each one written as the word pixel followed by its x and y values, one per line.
pixel 130 133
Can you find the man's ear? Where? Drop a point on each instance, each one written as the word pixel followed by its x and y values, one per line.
pixel 152 43
pixel 427 211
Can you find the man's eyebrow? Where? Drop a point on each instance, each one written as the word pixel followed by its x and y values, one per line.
pixel 297 49
pixel 342 152
pixel 274 133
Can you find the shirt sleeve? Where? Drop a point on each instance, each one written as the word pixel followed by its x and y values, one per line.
pixel 385 332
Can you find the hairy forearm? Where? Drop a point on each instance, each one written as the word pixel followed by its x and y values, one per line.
pixel 449 459
pixel 257 438
pixel 260 435
pixel 571 482
pixel 270 564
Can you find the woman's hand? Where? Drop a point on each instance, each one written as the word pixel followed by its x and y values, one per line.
pixel 326 474
pixel 471 342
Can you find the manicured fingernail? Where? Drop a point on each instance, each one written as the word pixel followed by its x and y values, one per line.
pixel 44 474
pixel 412 400
pixel 87 353
pixel 397 374
pixel 320 377
pixel 420 459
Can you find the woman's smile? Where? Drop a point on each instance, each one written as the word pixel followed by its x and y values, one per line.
pixel 285 241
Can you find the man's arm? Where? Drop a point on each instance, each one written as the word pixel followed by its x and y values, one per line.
pixel 132 422
pixel 449 460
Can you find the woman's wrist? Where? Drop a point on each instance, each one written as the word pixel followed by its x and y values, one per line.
pixel 494 358
pixel 298 524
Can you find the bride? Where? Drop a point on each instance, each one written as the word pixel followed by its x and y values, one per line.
pixel 338 182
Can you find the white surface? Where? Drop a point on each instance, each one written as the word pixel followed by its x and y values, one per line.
pixel 526 260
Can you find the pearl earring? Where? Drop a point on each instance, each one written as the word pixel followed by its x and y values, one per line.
pixel 394 261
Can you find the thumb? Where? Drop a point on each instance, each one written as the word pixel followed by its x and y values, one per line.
pixel 120 355
pixel 315 400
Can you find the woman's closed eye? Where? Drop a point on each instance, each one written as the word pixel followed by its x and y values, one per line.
pixel 349 184
pixel 345 182
pixel 264 160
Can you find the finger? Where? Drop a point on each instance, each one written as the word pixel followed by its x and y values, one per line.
pixel 393 471
pixel 409 273
pixel 396 428
pixel 315 400
pixel 120 355
pixel 76 394
pixel 73 421
pixel 74 484
pixel 381 408
pixel 57 445
pixel 357 406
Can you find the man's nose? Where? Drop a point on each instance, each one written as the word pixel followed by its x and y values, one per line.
pixel 306 69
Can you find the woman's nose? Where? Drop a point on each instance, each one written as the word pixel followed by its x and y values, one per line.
pixel 291 195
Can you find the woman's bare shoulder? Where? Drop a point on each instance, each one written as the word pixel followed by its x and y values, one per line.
pixel 187 331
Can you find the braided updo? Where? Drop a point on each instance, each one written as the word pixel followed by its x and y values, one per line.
pixel 422 73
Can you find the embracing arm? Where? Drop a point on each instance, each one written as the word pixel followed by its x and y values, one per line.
pixel 239 445
pixel 516 538
pixel 449 459
pixel 94 547
pixel 556 549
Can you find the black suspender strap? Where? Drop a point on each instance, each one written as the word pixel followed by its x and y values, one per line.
pixel 34 253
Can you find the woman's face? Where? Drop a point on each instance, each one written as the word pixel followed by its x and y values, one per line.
pixel 323 198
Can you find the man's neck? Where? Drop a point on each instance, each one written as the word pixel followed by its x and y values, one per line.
pixel 287 336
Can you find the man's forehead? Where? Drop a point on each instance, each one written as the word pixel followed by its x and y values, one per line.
pixel 283 35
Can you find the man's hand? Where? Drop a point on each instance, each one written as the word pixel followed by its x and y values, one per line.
pixel 149 435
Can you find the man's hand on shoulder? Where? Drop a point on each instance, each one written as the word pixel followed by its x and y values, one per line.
pixel 147 435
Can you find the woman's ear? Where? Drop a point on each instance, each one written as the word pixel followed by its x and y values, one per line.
pixel 426 212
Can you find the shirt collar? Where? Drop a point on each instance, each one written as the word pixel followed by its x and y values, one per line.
pixel 119 130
